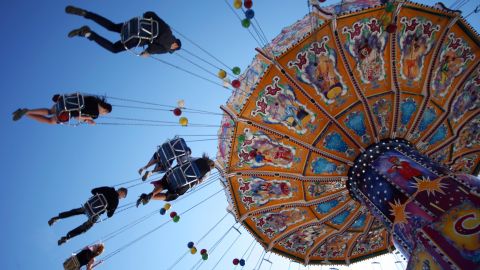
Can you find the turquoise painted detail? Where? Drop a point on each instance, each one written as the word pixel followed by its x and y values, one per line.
pixel 427 119
pixel 359 222
pixel 356 122
pixel 439 135
pixel 341 217
pixel 325 207
pixel 334 141
pixel 321 165
pixel 408 107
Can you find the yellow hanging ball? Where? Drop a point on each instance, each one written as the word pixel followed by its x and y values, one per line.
pixel 183 121
pixel 193 250
pixel 237 4
pixel 167 206
pixel 222 74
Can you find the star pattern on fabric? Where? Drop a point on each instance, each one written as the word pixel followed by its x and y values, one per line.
pixel 430 186
pixel 398 211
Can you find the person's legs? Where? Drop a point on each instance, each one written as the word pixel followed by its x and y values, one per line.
pixel 152 161
pixel 109 25
pixel 73 212
pixel 159 196
pixel 106 44
pixel 40 115
pixel 77 231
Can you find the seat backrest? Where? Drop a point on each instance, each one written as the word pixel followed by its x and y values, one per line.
pixel 174 149
pixel 71 263
pixel 68 103
pixel 186 174
pixel 96 205
pixel 139 29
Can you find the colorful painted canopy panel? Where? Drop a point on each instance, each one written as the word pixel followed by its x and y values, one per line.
pixel 324 90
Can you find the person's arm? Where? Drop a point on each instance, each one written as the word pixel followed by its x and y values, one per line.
pixel 154 48
pixel 86 119
pixel 90 264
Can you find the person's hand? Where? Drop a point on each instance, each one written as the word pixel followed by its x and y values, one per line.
pixel 144 54
pixel 90 122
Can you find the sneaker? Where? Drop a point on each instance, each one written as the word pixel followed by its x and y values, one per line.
pixel 75 11
pixel 140 171
pixel 62 240
pixel 146 175
pixel 82 31
pixel 19 114
pixel 52 221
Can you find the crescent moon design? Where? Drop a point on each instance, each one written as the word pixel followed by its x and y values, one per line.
pixel 459 226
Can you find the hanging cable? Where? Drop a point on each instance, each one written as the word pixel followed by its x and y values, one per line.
pixel 260 259
pixel 189 72
pixel 250 254
pixel 240 19
pixel 197 65
pixel 227 250
pixel 205 51
pixel 208 63
pixel 476 10
pixel 110 255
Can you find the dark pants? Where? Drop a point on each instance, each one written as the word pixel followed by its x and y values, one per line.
pixel 82 228
pixel 111 26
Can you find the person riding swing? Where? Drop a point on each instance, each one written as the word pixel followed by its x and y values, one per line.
pixel 178 180
pixel 104 199
pixel 83 108
pixel 86 257
pixel 149 30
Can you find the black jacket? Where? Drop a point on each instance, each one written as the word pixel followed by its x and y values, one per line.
pixel 111 196
pixel 161 44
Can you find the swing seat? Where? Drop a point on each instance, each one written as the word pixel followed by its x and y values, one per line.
pixel 95 206
pixel 174 149
pixel 68 103
pixel 71 263
pixel 185 174
pixel 138 30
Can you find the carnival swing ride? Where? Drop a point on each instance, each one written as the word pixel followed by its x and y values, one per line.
pixel 353 133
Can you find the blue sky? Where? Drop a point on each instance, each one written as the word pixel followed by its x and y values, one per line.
pixel 48 169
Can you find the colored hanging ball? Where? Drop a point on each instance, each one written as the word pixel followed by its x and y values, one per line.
pixel 167 206
pixel 242 262
pixel 163 211
pixel 249 14
pixel 236 84
pixel 246 23
pixel 321 1
pixel 222 74
pixel 237 4
pixel 248 4
pixel 173 214
pixel 236 261
pixel 177 111
pixel 236 70
pixel 205 256
pixel 203 251
pixel 386 20
pixel 181 103
pixel 391 28
pixel 176 219
pixel 389 7
pixel 193 250
pixel 190 245
pixel 183 121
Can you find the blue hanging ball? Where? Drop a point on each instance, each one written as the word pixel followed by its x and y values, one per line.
pixel 249 14
pixel 190 245
pixel 242 262
pixel 163 211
